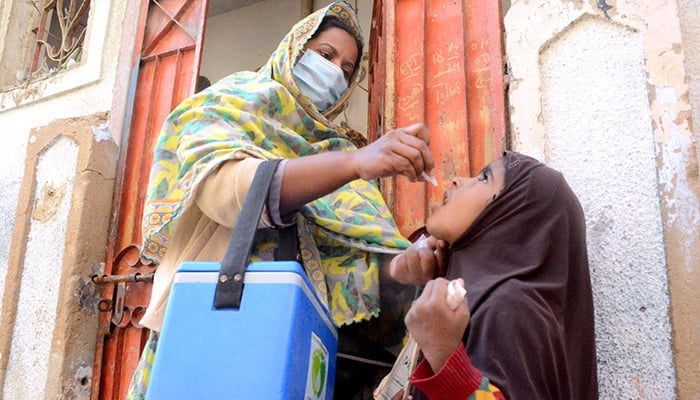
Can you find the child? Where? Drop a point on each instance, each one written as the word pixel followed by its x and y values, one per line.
pixel 516 236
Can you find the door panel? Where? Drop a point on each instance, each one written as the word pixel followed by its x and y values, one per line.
pixel 438 62
pixel 167 57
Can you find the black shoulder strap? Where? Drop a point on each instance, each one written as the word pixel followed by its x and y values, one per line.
pixel 229 287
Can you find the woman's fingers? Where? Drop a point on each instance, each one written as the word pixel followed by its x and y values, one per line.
pixel 416 139
pixel 402 151
pixel 418 130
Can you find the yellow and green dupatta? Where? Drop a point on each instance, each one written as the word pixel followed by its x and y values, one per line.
pixel 264 115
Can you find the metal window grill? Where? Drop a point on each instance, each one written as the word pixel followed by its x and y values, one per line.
pixel 60 34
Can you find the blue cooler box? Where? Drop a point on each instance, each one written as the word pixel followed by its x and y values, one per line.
pixel 280 344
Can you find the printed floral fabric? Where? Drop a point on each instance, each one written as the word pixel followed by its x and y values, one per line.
pixel 142 375
pixel 264 115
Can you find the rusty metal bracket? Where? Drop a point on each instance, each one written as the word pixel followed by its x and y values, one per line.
pixel 105 279
pixel 118 311
pixel 105 305
pixel 116 305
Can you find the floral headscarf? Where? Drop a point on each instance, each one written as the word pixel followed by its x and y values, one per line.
pixel 282 61
pixel 264 115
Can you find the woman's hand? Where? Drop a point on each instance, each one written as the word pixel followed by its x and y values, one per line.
pixel 424 260
pixel 436 328
pixel 402 151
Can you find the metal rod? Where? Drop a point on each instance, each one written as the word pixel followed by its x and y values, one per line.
pixel 135 277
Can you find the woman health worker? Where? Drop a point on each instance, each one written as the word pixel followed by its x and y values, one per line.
pixel 212 143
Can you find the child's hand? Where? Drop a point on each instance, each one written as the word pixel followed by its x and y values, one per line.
pixel 435 326
pixel 426 259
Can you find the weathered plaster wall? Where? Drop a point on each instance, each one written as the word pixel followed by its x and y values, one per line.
pixel 595 110
pixel 599 90
pixel 686 283
pixel 83 90
pixel 689 13
pixel 38 295
pixel 33 237
pixel 13 53
pixel 48 330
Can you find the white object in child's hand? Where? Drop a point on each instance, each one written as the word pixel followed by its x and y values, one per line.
pixel 455 294
pixel 399 378
pixel 421 242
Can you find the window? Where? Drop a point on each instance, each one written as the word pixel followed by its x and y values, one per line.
pixel 60 34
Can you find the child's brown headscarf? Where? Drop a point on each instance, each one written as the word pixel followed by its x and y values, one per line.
pixel 525 267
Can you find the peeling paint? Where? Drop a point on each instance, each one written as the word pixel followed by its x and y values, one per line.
pixel 673 179
pixel 666 94
pixel 49 202
pixel 670 112
pixel 102 132
pixel 30 90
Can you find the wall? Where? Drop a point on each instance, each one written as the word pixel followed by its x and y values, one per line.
pixel 50 304
pixel 13 53
pixel 598 133
pixel 56 198
pixel 238 41
pixel 687 280
pixel 82 90
pixel 599 91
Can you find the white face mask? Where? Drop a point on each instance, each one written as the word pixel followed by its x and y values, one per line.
pixel 319 79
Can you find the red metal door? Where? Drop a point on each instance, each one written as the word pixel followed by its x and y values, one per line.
pixel 439 62
pixel 167 56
